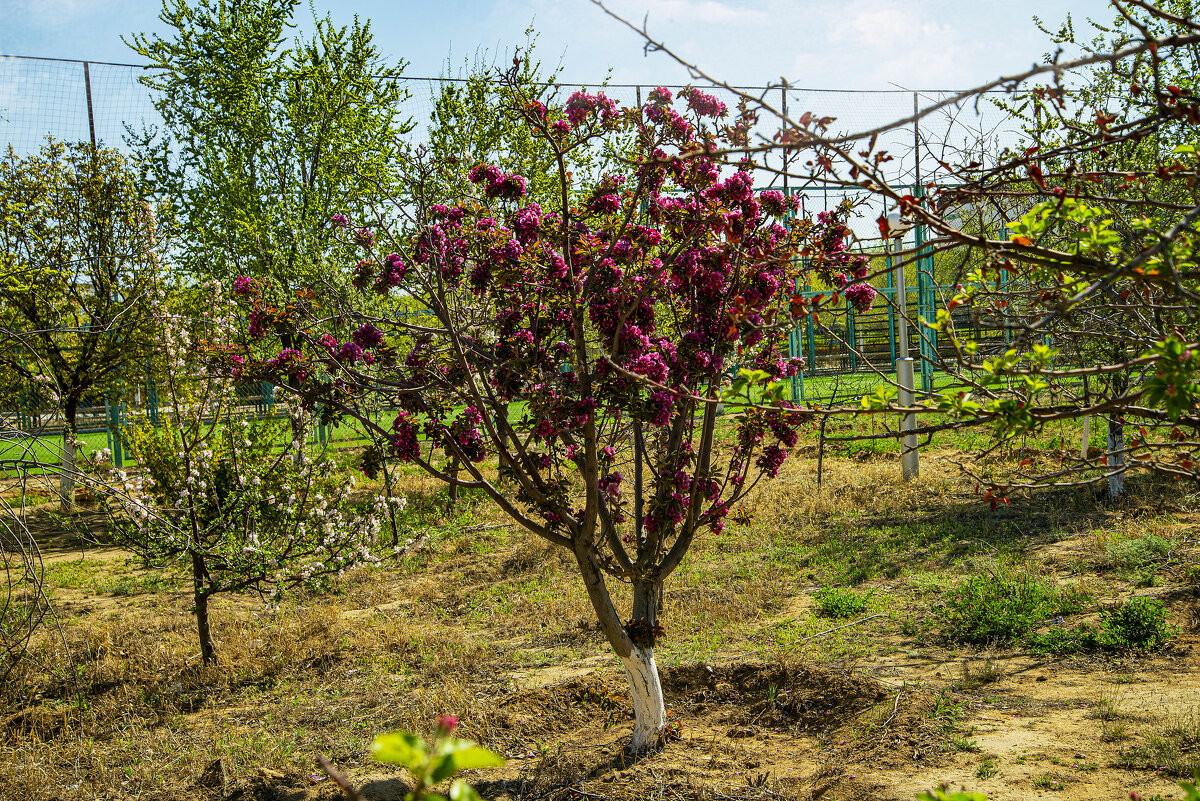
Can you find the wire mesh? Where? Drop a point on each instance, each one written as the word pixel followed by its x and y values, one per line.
pixel 78 101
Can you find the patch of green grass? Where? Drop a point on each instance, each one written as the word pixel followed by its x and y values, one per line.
pixel 840 602
pixel 73 573
pixel 1050 781
pixel 989 767
pixel 1139 553
pixel 109 577
pixel 1001 605
pixel 1138 624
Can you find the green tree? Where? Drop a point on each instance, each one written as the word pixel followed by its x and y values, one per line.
pixel 479 120
pixel 74 279
pixel 262 137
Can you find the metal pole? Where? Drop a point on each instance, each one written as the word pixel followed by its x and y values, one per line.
pixel 901 304
pixel 118 450
pixel 87 85
pixel 909 467
pixel 783 110
pixel 891 280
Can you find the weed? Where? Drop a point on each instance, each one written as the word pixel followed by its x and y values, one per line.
pixel 1049 781
pixel 1140 622
pixel 1136 554
pixel 974 678
pixel 840 602
pixel 947 710
pixel 1173 749
pixel 1063 640
pixel 960 742
pixel 999 606
pixel 1109 708
pixel 988 768
pixel 612 705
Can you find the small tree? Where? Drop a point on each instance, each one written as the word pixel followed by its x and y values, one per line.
pixel 223 492
pixel 75 279
pixel 584 348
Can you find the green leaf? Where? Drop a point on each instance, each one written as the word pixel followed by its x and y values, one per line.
pixel 942 795
pixel 401 748
pixel 461 791
pixel 454 755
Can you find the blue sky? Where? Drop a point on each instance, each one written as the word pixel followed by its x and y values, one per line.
pixel 852 44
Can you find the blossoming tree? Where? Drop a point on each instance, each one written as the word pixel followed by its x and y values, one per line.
pixel 221 492
pixel 582 350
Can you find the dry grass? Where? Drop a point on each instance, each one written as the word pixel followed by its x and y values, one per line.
pixel 491 625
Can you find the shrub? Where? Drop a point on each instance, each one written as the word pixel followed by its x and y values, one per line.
pixel 1139 623
pixel 993 607
pixel 1063 640
pixel 1139 552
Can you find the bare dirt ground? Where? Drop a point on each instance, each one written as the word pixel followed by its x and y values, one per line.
pixel 482 624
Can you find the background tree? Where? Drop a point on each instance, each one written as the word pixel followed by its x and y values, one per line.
pixel 74 286
pixel 218 493
pixel 477 120
pixel 261 137
pixel 1079 236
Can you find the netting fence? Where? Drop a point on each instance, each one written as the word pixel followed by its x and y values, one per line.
pixel 106 103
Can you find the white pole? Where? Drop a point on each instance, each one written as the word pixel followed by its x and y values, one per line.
pixel 902 305
pixel 1087 437
pixel 909 467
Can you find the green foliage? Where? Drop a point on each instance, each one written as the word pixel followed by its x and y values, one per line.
pixel 1173 384
pixel 73 225
pixel 1138 553
pixel 263 139
pixel 477 120
pixel 840 602
pixel 430 764
pixel 1140 622
pixel 1001 606
pixel 1064 640
pixel 263 518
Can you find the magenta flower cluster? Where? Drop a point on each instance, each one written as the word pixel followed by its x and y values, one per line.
pixel 581 106
pixel 496 184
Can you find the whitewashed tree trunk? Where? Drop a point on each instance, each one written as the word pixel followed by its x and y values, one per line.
pixel 66 478
pixel 1116 459
pixel 650 714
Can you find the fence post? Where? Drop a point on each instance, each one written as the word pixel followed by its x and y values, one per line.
pixel 108 427
pixel 115 428
pixel 909 466
pixel 926 299
pixel 87 87
pixel 851 339
pixel 891 310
